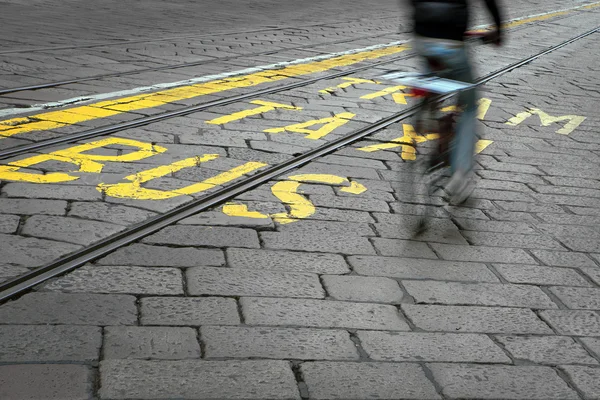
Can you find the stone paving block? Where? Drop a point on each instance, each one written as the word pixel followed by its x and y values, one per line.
pixel 144 255
pixel 586 379
pixel 538 275
pixel 475 319
pixel 139 379
pixel 411 268
pixel 367 380
pixel 578 298
pixel 464 381
pixel 9 223
pixel 512 240
pixel 32 206
pixel 70 309
pixel 573 323
pixel 569 219
pixel 473 213
pixel 593 273
pixel 243 282
pixel 482 254
pixel 363 289
pixel 70 230
pixel 115 279
pixel 32 252
pixel 563 258
pixel 286 261
pixel 184 235
pixel 45 381
pixel 164 343
pixel 339 170
pixel 51 191
pixel 440 231
pixel 510 176
pixel 323 243
pixel 549 350
pixel 587 244
pixel 10 271
pixel 43 343
pixel 359 203
pixel 495 226
pixel 277 343
pixel 334 214
pixel 501 195
pixel 327 228
pixel 352 161
pixel 218 218
pixel 592 344
pixel 529 207
pixel 403 248
pixel 188 311
pixel 321 314
pixel 511 216
pixel 431 347
pixel 120 215
pixel 483 294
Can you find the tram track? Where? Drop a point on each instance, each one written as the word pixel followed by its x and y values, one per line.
pixel 21 284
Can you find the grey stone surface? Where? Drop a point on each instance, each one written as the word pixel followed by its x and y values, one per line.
pixel 475 319
pixel 440 231
pixel 367 380
pixel 134 280
pixel 363 289
pixel 512 240
pixel 593 273
pixel 32 252
pixel 482 254
pixel 482 294
pixel 188 311
pixel 500 382
pixel 321 314
pixel 127 379
pixel 277 343
pixel 120 215
pixel 189 235
pixel 41 343
pixel 592 344
pixel 242 282
pixel 550 350
pixel 327 228
pixel 51 191
pixel 411 268
pixel 10 271
pixel 32 206
pixel 9 223
pixel 334 214
pixel 45 381
pixel 403 248
pixel 218 218
pixel 320 243
pixel 144 255
pixel 563 258
pixel 286 261
pixel 538 275
pixel 144 342
pixel 70 230
pixel 578 298
pixel 495 226
pixel 434 347
pixel 586 379
pixel 573 323
pixel 70 309
pixel 350 203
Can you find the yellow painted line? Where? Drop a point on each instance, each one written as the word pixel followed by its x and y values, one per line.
pixel 265 106
pixel 57 119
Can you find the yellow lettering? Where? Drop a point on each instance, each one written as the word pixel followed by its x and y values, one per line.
pixel 134 189
pixel 399 98
pixel 406 142
pixel 265 106
pixel 546 120
pixel 329 125
pixel 349 82
pixel 74 155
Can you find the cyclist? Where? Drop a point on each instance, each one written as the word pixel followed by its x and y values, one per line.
pixel 440 27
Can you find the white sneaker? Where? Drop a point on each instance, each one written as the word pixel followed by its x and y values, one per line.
pixel 460 187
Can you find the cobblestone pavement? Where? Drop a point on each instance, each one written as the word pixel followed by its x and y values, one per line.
pixel 311 286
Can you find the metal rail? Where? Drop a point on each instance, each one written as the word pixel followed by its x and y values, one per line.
pixel 68 263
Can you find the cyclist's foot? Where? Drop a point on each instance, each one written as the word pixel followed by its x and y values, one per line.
pixel 460 187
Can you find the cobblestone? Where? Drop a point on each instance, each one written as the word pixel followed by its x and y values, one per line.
pixel 322 243
pixel 45 381
pixel 188 311
pixel 573 323
pixel 500 382
pixel 70 230
pixel 550 350
pixel 286 261
pixel 242 282
pixel 485 294
pixel 31 252
pixel 363 289
pixel 350 203
pixel 537 275
pixel 495 226
pixel 586 379
pixel 435 347
pixel 9 223
pixel 321 314
pixel 482 254
pixel 161 256
pixel 59 192
pixel 475 319
pixel 512 240
pixel 563 258
pixel 70 309
pixel 126 379
pixel 41 343
pixel 403 248
pixel 120 215
pixel 136 342
pixel 277 343
pixel 184 235
pixel 360 381
pixel 32 206
pixel 578 298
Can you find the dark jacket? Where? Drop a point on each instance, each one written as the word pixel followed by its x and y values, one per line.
pixel 446 19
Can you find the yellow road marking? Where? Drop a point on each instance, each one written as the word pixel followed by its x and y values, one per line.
pixel 481 145
pixel 547 120
pixel 329 124
pixel 265 106
pixel 349 82
pixel 406 141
